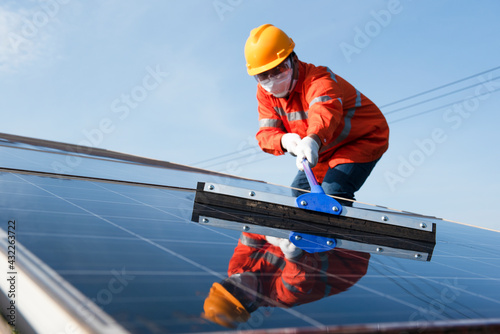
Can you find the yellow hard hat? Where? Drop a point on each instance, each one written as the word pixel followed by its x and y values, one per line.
pixel 223 308
pixel 266 48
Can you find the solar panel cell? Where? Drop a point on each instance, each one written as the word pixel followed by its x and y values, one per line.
pixel 134 252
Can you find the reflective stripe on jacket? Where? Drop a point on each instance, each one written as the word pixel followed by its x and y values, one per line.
pixel 350 126
pixel 301 280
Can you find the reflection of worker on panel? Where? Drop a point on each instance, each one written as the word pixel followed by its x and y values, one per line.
pixel 270 271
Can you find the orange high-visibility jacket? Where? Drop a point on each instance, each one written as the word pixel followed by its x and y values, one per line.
pixel 301 280
pixel 350 126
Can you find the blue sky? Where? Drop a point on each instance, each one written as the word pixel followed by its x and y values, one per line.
pixel 167 80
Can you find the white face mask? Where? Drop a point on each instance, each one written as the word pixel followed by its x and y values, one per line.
pixel 278 85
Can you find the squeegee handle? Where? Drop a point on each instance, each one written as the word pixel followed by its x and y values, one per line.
pixel 315 187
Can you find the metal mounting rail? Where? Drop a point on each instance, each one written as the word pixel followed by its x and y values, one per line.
pixel 395 219
pixel 340 243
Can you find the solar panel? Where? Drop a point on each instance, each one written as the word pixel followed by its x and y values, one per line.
pixel 119 241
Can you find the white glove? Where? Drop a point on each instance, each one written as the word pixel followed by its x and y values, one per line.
pixel 307 148
pixel 275 241
pixel 289 142
pixel 289 249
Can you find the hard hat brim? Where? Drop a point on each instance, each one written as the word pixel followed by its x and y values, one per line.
pixel 281 56
pixel 223 318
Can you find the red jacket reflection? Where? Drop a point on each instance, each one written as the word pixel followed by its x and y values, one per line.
pixel 301 280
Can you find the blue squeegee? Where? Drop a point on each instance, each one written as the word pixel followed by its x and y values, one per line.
pixel 318 201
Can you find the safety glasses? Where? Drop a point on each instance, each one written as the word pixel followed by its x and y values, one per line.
pixel 274 72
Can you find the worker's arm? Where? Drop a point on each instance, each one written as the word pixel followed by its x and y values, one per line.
pixel 324 96
pixel 271 129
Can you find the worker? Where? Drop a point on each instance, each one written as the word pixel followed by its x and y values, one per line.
pixel 314 114
pixel 267 271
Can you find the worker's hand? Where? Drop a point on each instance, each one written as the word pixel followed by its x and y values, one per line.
pixel 308 148
pixel 275 241
pixel 289 142
pixel 287 247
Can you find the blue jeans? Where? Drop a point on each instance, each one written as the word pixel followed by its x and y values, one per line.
pixel 343 180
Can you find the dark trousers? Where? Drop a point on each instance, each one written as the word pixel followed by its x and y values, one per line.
pixel 343 180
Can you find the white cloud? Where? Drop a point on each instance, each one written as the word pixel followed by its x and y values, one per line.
pixel 27 34
pixel 12 52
